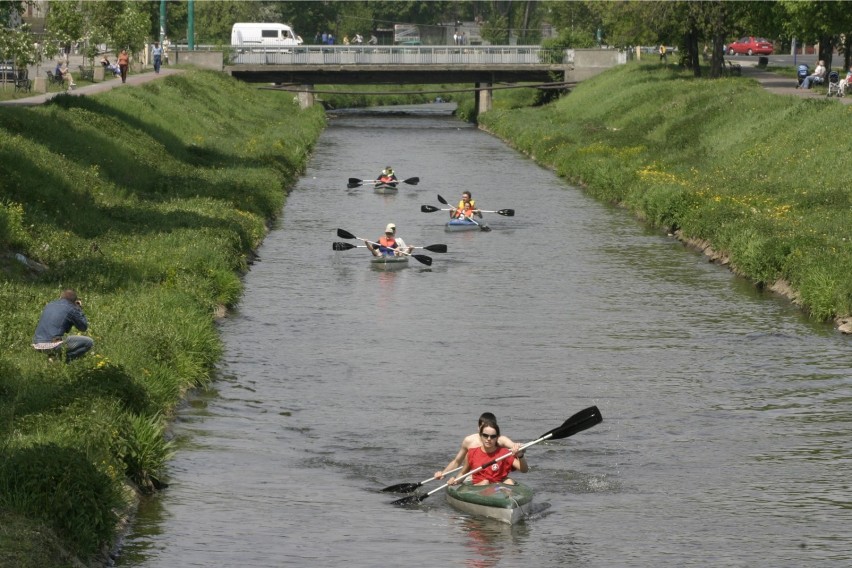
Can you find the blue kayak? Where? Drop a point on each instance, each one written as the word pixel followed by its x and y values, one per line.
pixel 463 224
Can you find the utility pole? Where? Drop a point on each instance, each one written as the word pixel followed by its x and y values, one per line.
pixel 190 24
pixel 162 21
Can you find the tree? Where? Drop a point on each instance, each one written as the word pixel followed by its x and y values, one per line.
pixel 131 28
pixel 65 25
pixel 819 21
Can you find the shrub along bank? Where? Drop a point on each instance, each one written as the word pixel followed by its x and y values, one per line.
pixel 762 179
pixel 148 201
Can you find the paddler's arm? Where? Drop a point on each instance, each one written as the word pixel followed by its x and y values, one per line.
pixel 371 248
pixel 456 461
pixel 465 469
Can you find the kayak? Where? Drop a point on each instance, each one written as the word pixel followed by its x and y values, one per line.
pixel 386 188
pixel 505 503
pixel 389 262
pixel 462 224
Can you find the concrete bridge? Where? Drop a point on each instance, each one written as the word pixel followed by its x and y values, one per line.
pixel 483 66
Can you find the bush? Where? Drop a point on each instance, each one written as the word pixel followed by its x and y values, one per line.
pixel 39 482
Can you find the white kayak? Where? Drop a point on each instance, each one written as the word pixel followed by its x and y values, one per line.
pixel 389 262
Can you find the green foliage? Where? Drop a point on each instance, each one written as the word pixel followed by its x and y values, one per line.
pixel 61 487
pixel 146 451
pixel 147 201
pixel 12 233
pixel 710 159
pixel 17 45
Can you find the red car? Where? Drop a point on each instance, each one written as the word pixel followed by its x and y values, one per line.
pixel 751 46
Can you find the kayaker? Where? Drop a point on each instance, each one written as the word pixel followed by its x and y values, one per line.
pixel 498 472
pixel 466 207
pixel 387 175
pixel 389 244
pixel 475 441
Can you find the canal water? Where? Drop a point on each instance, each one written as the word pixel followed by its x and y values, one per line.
pixel 727 431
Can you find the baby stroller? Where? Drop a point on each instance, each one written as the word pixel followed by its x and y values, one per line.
pixel 801 72
pixel 833 84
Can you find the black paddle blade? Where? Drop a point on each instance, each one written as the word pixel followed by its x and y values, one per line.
pixel 428 209
pixel 484 228
pixel 410 500
pixel 342 246
pixel 412 181
pixel 345 234
pixel 401 488
pixel 427 260
pixel 506 212
pixel 442 200
pixel 355 180
pixel 436 248
pixel 353 185
pixel 583 420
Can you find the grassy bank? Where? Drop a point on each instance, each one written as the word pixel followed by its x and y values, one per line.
pixel 760 178
pixel 148 201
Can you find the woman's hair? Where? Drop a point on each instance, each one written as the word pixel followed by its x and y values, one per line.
pixel 489 424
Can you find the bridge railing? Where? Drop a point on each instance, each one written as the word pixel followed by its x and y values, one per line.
pixel 399 55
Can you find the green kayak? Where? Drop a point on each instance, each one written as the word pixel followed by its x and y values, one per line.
pixel 499 501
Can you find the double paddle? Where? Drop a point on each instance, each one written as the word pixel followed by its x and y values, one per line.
pixel 583 420
pixel 427 260
pixel 355 182
pixel 432 209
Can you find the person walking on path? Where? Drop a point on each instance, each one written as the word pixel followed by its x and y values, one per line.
pixel 57 319
pixel 123 64
pixel 157 56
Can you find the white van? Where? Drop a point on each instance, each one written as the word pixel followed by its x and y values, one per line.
pixel 263 35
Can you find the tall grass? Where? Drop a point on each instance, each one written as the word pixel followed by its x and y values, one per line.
pixel 147 201
pixel 763 178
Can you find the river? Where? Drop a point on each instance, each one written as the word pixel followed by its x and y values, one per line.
pixel 727 431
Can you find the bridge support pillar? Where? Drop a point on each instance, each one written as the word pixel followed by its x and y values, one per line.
pixel 483 97
pixel 306 97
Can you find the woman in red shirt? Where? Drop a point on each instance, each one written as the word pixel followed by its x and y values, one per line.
pixel 497 472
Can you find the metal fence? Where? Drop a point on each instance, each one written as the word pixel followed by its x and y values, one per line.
pixel 399 55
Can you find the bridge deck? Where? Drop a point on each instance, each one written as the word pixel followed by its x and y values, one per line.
pixel 395 64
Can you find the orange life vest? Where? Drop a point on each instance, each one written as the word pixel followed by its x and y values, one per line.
pixel 387 245
pixel 465 209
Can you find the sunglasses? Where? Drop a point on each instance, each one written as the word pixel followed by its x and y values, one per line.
pixel 489 436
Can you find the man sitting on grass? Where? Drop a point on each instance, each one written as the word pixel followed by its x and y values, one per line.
pixel 56 320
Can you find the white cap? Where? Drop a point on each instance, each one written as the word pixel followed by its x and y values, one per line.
pixel 391 228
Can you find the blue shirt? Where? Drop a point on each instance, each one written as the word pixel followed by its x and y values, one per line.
pixel 56 320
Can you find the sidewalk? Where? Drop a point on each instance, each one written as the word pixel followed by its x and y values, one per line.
pixel 779 85
pixel 103 86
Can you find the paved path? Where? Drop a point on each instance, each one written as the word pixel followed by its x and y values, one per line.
pixel 103 86
pixel 780 85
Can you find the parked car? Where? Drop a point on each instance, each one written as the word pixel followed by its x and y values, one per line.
pixel 750 45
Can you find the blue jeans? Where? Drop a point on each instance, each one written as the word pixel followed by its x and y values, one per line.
pixel 158 60
pixel 76 346
pixel 811 79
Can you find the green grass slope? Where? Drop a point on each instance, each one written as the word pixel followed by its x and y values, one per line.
pixel 762 178
pixel 148 201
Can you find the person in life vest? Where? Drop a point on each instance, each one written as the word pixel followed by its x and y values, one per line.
pixel 466 208
pixel 387 176
pixel 389 244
